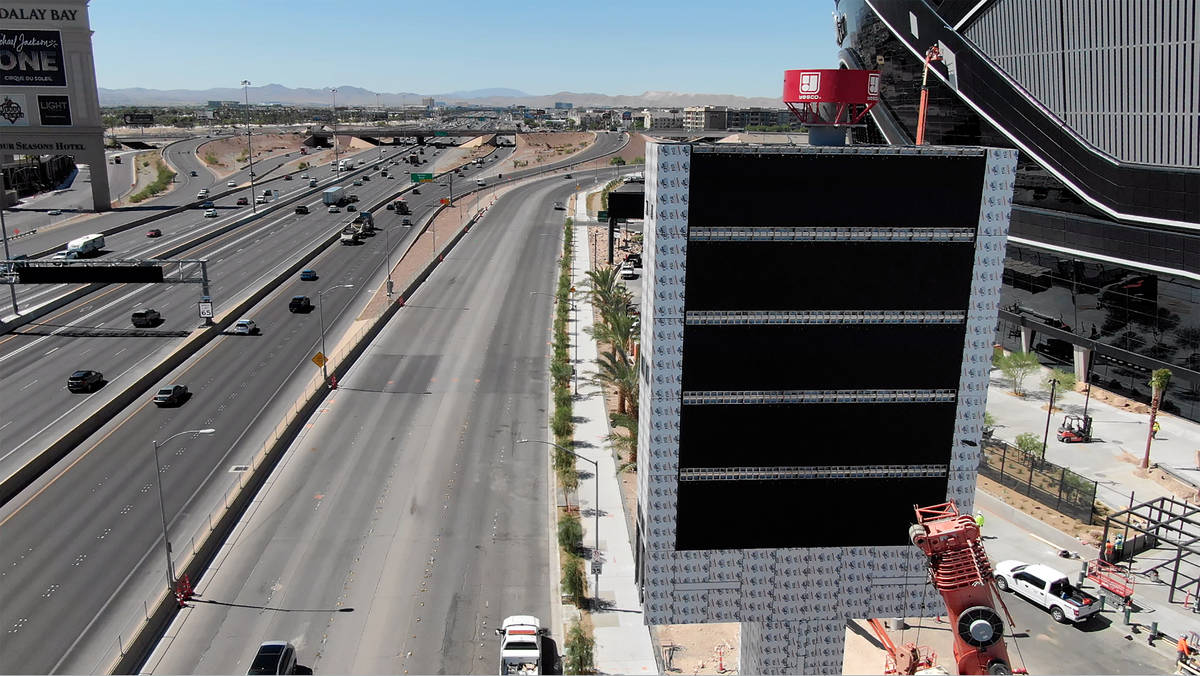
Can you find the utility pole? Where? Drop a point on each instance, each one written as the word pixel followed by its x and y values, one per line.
pixel 249 149
pixel 333 121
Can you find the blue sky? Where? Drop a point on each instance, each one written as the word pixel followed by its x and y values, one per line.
pixel 538 47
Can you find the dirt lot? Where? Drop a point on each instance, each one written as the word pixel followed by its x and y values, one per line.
pixel 225 156
pixel 636 148
pixel 538 149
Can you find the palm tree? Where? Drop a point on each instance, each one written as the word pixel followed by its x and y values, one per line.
pixel 1158 383
pixel 625 441
pixel 617 371
pixel 617 331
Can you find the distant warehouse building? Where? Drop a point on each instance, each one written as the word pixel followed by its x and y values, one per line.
pixel 1103 262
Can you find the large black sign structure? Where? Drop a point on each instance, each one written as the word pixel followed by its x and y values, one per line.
pixel 107 274
pixel 817 326
pixel 31 58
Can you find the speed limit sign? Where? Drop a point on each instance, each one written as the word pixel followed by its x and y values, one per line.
pixel 206 309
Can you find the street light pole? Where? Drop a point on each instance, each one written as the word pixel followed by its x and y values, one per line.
pixel 162 508
pixel 595 510
pixel 321 311
pixel 249 149
pixel 333 120
pixel 1049 412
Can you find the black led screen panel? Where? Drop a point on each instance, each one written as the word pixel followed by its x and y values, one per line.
pixel 626 204
pixel 829 275
pixel 780 514
pixel 821 357
pixel 782 435
pixel 113 274
pixel 829 191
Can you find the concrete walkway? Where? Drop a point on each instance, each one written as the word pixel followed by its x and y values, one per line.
pixel 622 638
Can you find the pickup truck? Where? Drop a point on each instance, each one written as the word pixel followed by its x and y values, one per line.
pixel 1046 587
pixel 521 645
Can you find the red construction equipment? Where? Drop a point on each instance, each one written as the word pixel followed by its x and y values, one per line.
pixel 907 659
pixel 932 54
pixel 960 571
pixel 1116 580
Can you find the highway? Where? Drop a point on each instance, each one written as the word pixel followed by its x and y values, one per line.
pixel 407 497
pixel 95 332
pixel 97 559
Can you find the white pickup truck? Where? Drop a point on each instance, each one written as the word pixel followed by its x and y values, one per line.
pixel 1048 588
pixel 521 644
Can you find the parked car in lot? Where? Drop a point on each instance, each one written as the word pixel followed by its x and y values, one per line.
pixel 308 275
pixel 145 318
pixel 300 304
pixel 243 201
pixel 1046 587
pixel 154 232
pixel 85 381
pixel 231 184
pixel 627 272
pixel 245 327
pixel 210 213
pixel 301 209
pixel 171 395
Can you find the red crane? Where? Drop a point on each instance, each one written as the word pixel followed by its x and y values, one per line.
pixel 932 54
pixel 961 573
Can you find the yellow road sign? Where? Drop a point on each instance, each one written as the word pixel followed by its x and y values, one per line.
pixel 319 359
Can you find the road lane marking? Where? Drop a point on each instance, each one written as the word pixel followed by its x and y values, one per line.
pixel 1042 539
pixel 52 351
pixel 31 383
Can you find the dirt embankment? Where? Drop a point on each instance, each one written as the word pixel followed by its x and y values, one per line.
pixel 224 156
pixel 537 149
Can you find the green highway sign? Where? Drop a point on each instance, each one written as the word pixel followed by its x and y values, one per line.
pixel 602 215
pixel 422 178
pixel 440 133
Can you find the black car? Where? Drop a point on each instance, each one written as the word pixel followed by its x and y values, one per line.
pixel 146 318
pixel 300 304
pixel 634 259
pixel 287 177
pixel 351 207
pixel 301 209
pixel 85 381
pixel 171 395
pixel 274 657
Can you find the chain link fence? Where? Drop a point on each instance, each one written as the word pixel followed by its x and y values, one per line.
pixel 1054 486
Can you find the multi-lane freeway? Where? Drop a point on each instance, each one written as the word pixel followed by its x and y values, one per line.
pixel 67 585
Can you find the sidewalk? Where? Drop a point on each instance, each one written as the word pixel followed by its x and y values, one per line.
pixel 622 638
pixel 1119 440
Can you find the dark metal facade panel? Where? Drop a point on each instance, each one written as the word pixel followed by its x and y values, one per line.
pixel 1122 75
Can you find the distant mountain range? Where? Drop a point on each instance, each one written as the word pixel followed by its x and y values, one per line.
pixel 357 96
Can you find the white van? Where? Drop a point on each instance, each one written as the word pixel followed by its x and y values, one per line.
pixel 480 182
pixel 88 244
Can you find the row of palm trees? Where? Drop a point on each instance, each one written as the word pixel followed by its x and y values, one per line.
pixel 617 366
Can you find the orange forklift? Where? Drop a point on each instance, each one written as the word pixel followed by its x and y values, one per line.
pixel 1075 429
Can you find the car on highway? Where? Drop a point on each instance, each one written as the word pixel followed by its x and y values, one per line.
pixel 305 175
pixel 559 206
pixel 366 178
pixel 54 212
pixel 245 327
pixel 171 395
pixel 416 191
pixel 300 304
pixel 85 381
pixel 351 207
pixel 308 275
pixel 202 193
pixel 405 222
pixel 154 232
pixel 207 204
pixel 301 209
pixel 210 213
pixel 333 209
pixel 260 200
pixel 287 177
pixel 567 176
pixel 145 318
pixel 243 201
pixel 231 184
pixel 192 173
pixel 357 182
pixel 274 657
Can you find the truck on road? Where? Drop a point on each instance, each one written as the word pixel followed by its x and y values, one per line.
pixel 401 207
pixel 1046 587
pixel 365 219
pixel 413 159
pixel 86 246
pixel 335 195
pixel 521 645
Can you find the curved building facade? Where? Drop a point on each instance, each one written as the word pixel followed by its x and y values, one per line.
pixel 1102 101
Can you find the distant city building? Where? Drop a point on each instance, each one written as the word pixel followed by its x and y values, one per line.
pixel 662 119
pixel 427 102
pixel 705 117
pixel 741 118
pixel 559 105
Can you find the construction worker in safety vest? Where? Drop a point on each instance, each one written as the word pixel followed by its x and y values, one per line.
pixel 1154 430
pixel 1183 649
pixel 979 520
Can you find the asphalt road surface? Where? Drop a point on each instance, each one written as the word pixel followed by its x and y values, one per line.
pixel 96 561
pixel 407 498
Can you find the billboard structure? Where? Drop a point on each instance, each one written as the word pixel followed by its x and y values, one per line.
pixel 783 439
pixel 48 99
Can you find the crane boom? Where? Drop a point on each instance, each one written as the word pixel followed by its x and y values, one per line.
pixel 961 573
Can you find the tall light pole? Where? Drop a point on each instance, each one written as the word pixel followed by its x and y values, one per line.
pixel 321 311
pixel 249 149
pixel 595 510
pixel 333 99
pixel 161 508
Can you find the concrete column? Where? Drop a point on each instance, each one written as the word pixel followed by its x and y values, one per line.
pixel 800 647
pixel 1026 338
pixel 96 161
pixel 1083 355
